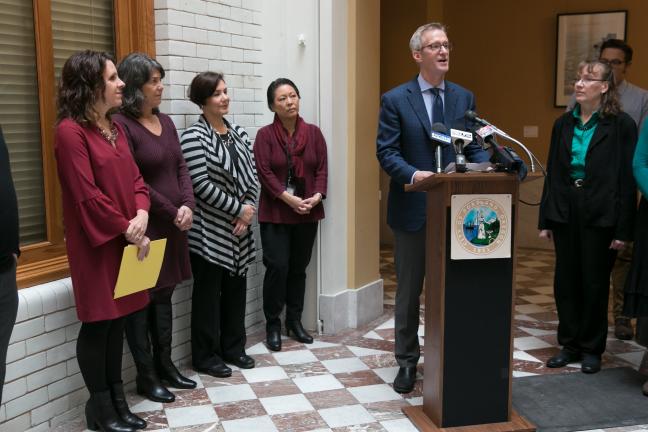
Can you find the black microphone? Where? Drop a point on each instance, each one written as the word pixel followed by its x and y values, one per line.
pixel 459 139
pixel 440 135
pixel 502 157
pixel 472 116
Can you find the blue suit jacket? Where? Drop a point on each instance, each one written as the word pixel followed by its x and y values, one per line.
pixel 404 146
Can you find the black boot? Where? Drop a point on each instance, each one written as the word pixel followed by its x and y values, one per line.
pixel 296 328
pixel 121 406
pixel 273 339
pixel 161 331
pixel 101 414
pixel 148 383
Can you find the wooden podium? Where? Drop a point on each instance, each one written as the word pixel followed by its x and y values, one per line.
pixel 469 305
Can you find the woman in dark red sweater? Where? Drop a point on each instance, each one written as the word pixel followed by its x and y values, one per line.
pixel 291 163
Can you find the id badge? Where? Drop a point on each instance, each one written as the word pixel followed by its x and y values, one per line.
pixel 290 189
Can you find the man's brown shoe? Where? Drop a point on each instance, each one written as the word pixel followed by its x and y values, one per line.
pixel 623 328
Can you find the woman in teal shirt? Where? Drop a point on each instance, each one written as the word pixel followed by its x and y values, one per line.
pixel 587 210
pixel 636 288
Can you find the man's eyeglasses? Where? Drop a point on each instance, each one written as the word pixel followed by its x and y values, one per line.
pixel 613 62
pixel 436 46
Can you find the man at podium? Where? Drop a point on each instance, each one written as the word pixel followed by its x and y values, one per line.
pixel 406 152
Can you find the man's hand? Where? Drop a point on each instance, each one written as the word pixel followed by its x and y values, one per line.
pixel 546 234
pixel 422 175
pixel 617 245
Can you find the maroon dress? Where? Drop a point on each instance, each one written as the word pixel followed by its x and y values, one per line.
pixel 163 167
pixel 102 190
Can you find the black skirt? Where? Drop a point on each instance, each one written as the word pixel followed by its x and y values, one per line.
pixel 636 286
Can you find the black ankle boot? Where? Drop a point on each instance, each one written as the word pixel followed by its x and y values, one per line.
pixel 296 328
pixel 121 406
pixel 137 335
pixel 101 414
pixel 273 339
pixel 161 323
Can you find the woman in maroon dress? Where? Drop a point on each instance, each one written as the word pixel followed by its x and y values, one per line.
pixel 290 156
pixel 154 142
pixel 105 207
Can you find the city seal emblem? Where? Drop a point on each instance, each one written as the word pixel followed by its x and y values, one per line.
pixel 481 226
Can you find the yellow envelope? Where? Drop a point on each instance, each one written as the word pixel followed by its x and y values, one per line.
pixel 135 275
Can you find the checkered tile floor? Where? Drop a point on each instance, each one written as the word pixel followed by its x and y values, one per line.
pixel 343 382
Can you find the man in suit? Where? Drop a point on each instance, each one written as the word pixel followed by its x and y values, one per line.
pixel 406 152
pixel 8 256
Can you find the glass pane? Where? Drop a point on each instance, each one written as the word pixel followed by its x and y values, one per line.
pixel 20 117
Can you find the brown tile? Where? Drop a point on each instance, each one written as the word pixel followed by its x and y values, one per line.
pixel 359 378
pixel 332 353
pixel 265 360
pixel 299 422
pixel 154 420
pixel 331 399
pixel 239 409
pixel 305 370
pixel 387 410
pixel 215 427
pixel 187 398
pixel 367 427
pixel 379 360
pixel 274 388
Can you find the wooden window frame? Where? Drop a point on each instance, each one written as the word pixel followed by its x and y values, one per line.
pixel 134 23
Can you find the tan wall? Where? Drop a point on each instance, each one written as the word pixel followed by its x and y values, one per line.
pixel 364 85
pixel 504 51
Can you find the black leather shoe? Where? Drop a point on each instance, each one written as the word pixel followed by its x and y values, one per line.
pixel 404 382
pixel 218 370
pixel 591 363
pixel 273 339
pixel 121 406
pixel 301 335
pixel 170 374
pixel 243 361
pixel 149 386
pixel 563 358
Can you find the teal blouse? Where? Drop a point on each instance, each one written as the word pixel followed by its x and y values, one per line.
pixel 640 161
pixel 583 134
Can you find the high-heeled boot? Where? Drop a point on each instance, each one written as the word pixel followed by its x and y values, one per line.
pixel 148 382
pixel 296 328
pixel 273 339
pixel 161 332
pixel 101 414
pixel 121 406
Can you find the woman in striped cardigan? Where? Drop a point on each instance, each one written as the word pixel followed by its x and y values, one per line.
pixel 221 246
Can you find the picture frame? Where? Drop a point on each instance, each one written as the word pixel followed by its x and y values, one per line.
pixel 579 37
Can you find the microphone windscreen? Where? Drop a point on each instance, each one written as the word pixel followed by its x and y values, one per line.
pixel 440 127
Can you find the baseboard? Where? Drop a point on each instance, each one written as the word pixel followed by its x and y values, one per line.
pixel 351 308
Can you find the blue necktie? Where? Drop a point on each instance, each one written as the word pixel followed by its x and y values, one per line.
pixel 437 106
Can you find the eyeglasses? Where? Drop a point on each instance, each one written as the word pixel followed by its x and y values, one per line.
pixel 436 46
pixel 586 81
pixel 613 62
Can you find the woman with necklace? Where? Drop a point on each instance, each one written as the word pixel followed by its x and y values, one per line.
pixel 154 142
pixel 292 164
pixel 105 207
pixel 587 210
pixel 221 246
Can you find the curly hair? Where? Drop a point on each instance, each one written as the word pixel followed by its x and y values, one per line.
pixel 81 86
pixel 135 70
pixel 610 104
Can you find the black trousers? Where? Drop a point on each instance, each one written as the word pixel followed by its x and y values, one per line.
pixel 287 250
pixel 582 279
pixel 409 259
pixel 8 312
pixel 218 313
pixel 99 353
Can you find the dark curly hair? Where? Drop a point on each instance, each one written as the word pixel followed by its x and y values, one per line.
pixel 274 85
pixel 81 86
pixel 203 86
pixel 135 70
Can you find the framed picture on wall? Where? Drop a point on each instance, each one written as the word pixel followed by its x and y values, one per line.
pixel 579 37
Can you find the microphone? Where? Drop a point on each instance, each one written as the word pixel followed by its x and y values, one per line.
pixel 504 160
pixel 440 135
pixel 472 116
pixel 487 135
pixel 459 139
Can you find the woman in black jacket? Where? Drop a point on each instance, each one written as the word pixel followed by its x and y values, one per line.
pixel 588 206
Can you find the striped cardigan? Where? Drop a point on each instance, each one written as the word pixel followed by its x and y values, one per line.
pixel 221 188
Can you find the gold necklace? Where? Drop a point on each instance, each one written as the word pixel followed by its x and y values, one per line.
pixel 110 136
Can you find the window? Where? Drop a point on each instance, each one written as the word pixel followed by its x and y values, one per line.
pixel 35 40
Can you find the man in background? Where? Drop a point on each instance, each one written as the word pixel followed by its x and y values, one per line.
pixel 8 257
